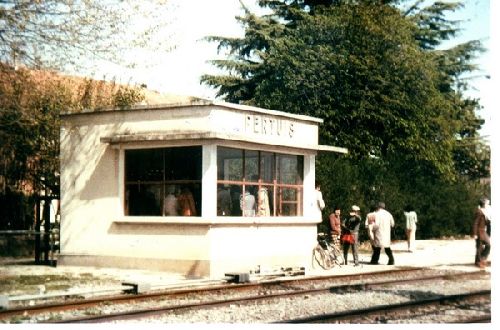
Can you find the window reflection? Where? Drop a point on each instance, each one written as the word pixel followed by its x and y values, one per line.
pixel 163 181
pixel 258 183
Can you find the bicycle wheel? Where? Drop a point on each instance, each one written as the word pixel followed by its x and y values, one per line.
pixel 322 258
pixel 337 255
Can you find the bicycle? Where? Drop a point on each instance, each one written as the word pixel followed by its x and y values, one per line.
pixel 327 253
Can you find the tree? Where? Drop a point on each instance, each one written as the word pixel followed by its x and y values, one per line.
pixel 356 66
pixel 371 70
pixel 29 122
pixel 61 33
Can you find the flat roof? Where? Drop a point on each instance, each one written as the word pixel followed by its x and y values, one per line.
pixel 196 102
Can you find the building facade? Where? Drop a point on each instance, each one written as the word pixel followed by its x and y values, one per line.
pixel 200 188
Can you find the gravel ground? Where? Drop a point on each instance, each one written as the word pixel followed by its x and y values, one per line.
pixel 458 254
pixel 279 309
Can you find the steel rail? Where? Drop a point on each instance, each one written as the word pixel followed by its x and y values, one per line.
pixel 127 298
pixel 141 313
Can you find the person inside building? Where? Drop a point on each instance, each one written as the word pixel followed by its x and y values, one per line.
pixel 350 235
pixel 263 203
pixel 247 202
pixel 186 203
pixel 224 203
pixel 170 205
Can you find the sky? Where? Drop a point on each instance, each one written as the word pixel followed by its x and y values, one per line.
pixel 179 71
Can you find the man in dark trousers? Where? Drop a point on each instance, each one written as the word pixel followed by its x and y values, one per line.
pixel 480 234
pixel 384 221
pixel 350 226
pixel 335 226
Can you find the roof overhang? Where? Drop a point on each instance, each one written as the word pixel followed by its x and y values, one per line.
pixel 123 139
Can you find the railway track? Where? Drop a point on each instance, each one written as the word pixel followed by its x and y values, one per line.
pixel 115 309
pixel 407 312
pixel 66 303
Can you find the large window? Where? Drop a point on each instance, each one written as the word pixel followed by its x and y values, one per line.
pixel 258 183
pixel 163 182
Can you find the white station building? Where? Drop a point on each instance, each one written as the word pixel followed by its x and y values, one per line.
pixel 200 188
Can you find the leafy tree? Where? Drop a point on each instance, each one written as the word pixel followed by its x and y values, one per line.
pixel 371 69
pixel 30 104
pixel 60 33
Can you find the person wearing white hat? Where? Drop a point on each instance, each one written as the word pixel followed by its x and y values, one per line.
pixel 350 229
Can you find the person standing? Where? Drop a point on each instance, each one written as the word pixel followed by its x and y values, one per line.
pixel 335 230
pixel 487 213
pixel 479 233
pixel 247 203
pixel 170 205
pixel 350 228
pixel 320 203
pixel 384 221
pixel 411 226
pixel 263 203
pixel 186 203
pixel 224 203
pixel 369 224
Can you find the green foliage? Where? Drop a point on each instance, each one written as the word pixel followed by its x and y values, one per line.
pixel 30 104
pixel 29 132
pixel 444 208
pixel 371 70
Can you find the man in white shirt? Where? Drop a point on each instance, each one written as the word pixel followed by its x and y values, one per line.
pixel 384 221
pixel 320 203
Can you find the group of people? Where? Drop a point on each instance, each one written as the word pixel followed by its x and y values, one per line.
pixel 253 202
pixel 179 202
pixel 378 223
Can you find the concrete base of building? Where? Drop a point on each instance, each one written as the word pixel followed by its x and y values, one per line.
pixel 188 268
pixel 213 269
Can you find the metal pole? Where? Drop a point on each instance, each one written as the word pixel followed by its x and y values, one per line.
pixel 37 230
pixel 46 234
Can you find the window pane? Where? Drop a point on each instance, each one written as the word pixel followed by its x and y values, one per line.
pixel 164 181
pixel 183 163
pixel 228 200
pixel 272 185
pixel 143 199
pixel 289 210
pixel 289 202
pixel 229 164
pixel 267 167
pixel 251 165
pixel 290 169
pixel 144 165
